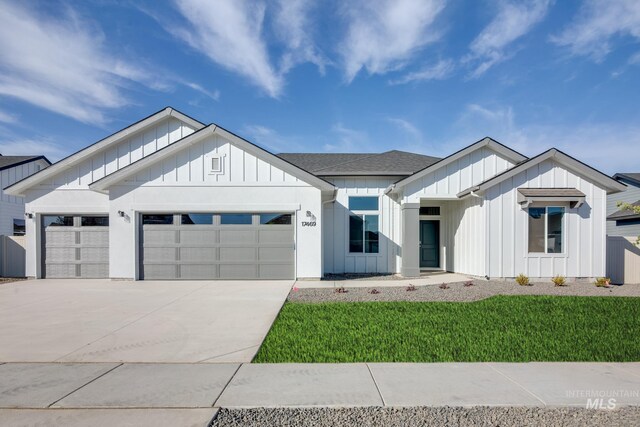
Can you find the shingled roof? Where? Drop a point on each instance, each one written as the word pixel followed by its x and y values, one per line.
pixel 628 176
pixel 7 162
pixel 625 214
pixel 392 163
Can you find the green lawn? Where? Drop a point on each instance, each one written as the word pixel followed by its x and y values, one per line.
pixel 502 328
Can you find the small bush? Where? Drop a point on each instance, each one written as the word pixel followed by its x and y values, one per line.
pixel 374 291
pixel 559 280
pixel 341 290
pixel 468 283
pixel 522 280
pixel 411 288
pixel 603 282
pixel 444 286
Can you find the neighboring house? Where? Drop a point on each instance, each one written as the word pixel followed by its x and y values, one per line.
pixel 13 169
pixel 172 198
pixel 624 222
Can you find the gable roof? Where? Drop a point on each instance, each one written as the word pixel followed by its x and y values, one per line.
pixel 484 142
pixel 390 163
pixel 7 162
pixel 103 184
pixel 633 178
pixel 623 214
pixel 19 187
pixel 611 185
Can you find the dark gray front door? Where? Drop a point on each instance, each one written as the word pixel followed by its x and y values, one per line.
pixel 429 244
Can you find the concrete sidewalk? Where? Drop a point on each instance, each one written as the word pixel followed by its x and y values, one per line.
pixel 188 394
pixel 435 278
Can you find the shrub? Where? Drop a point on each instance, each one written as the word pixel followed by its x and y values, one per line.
pixel 411 288
pixel 341 290
pixel 603 282
pixel 522 280
pixel 559 280
pixel 468 283
pixel 374 291
pixel 444 286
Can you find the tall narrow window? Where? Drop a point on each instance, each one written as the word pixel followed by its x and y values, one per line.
pixel 546 230
pixel 364 232
pixel 18 227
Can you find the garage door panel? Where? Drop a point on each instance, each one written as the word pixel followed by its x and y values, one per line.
pixel 238 254
pixel 276 236
pixel 60 254
pixel 95 254
pixel 159 237
pixel 275 254
pixel 157 255
pixel 94 271
pixel 60 238
pixel 198 237
pixel 160 271
pixel 198 271
pixel 196 255
pixel 276 271
pixel 61 271
pixel 237 236
pixel 238 271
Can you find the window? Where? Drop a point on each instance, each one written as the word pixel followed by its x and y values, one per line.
pixel 196 218
pixel 18 227
pixel 430 210
pixel 215 164
pixel 363 225
pixel 236 219
pixel 94 221
pixel 546 230
pixel 273 219
pixel 57 221
pixel 166 219
pixel 363 203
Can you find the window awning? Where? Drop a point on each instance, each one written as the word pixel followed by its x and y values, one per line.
pixel 573 196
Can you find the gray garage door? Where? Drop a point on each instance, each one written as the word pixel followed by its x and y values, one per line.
pixel 217 246
pixel 75 246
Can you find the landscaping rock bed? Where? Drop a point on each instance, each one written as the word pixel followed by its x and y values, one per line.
pixel 427 416
pixel 480 289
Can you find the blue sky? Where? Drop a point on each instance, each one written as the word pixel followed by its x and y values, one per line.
pixel 361 76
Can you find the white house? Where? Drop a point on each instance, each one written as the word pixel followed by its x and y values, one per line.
pixel 172 198
pixel 13 169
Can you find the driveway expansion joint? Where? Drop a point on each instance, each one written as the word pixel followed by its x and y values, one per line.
pixel 86 384
pixel 213 405
pixel 544 404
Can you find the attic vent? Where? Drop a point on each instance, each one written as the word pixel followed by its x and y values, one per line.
pixel 216 164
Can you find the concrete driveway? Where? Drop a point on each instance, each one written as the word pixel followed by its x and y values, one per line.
pixel 124 321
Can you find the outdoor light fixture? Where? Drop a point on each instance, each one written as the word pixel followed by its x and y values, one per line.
pixel 29 215
pixel 121 214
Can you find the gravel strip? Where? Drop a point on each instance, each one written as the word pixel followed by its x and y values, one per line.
pixel 481 289
pixel 427 416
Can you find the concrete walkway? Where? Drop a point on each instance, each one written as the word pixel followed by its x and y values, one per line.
pixel 435 278
pixel 189 394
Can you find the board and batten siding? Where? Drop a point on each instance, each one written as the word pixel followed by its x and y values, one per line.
pixel 337 258
pixel 630 195
pixel 117 156
pixel 12 206
pixel 190 166
pixel 507 227
pixel 447 181
pixel 463 236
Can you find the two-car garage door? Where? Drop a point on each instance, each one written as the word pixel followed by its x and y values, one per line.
pixel 217 246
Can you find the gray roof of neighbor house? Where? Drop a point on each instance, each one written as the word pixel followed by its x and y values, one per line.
pixel 393 163
pixel 7 162
pixel 625 214
pixel 633 177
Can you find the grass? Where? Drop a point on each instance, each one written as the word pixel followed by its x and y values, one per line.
pixel 499 329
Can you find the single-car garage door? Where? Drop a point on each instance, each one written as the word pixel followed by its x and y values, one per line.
pixel 217 246
pixel 75 246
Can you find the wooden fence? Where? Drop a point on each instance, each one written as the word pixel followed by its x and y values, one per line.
pixel 623 260
pixel 12 256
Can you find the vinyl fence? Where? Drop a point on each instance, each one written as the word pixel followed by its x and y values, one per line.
pixel 623 260
pixel 12 256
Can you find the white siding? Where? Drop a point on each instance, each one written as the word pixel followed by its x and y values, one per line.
pixel 11 206
pixel 507 227
pixel 337 258
pixel 119 155
pixel 190 167
pixel 464 237
pixel 449 180
pixel 630 195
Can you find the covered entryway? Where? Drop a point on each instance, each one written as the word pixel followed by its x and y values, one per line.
pixel 75 246
pixel 213 246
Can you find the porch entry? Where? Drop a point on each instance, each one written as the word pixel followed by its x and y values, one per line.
pixel 429 243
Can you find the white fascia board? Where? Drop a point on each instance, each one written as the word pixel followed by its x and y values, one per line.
pixel 102 185
pixel 20 187
pixel 275 160
pixel 485 142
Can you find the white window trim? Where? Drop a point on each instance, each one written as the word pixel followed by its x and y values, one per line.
pixel 363 213
pixel 562 254
pixel 221 161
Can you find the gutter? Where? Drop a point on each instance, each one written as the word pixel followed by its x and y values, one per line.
pixel 333 199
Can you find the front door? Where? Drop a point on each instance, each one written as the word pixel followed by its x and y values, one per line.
pixel 429 244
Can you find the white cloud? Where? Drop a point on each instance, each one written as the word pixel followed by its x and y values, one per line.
pixel 407 127
pixel 229 33
pixel 439 71
pixel 294 29
pixel 7 118
pixel 61 65
pixel 272 140
pixel 597 22
pixel 29 147
pixel 383 35
pixel 347 140
pixel 513 20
